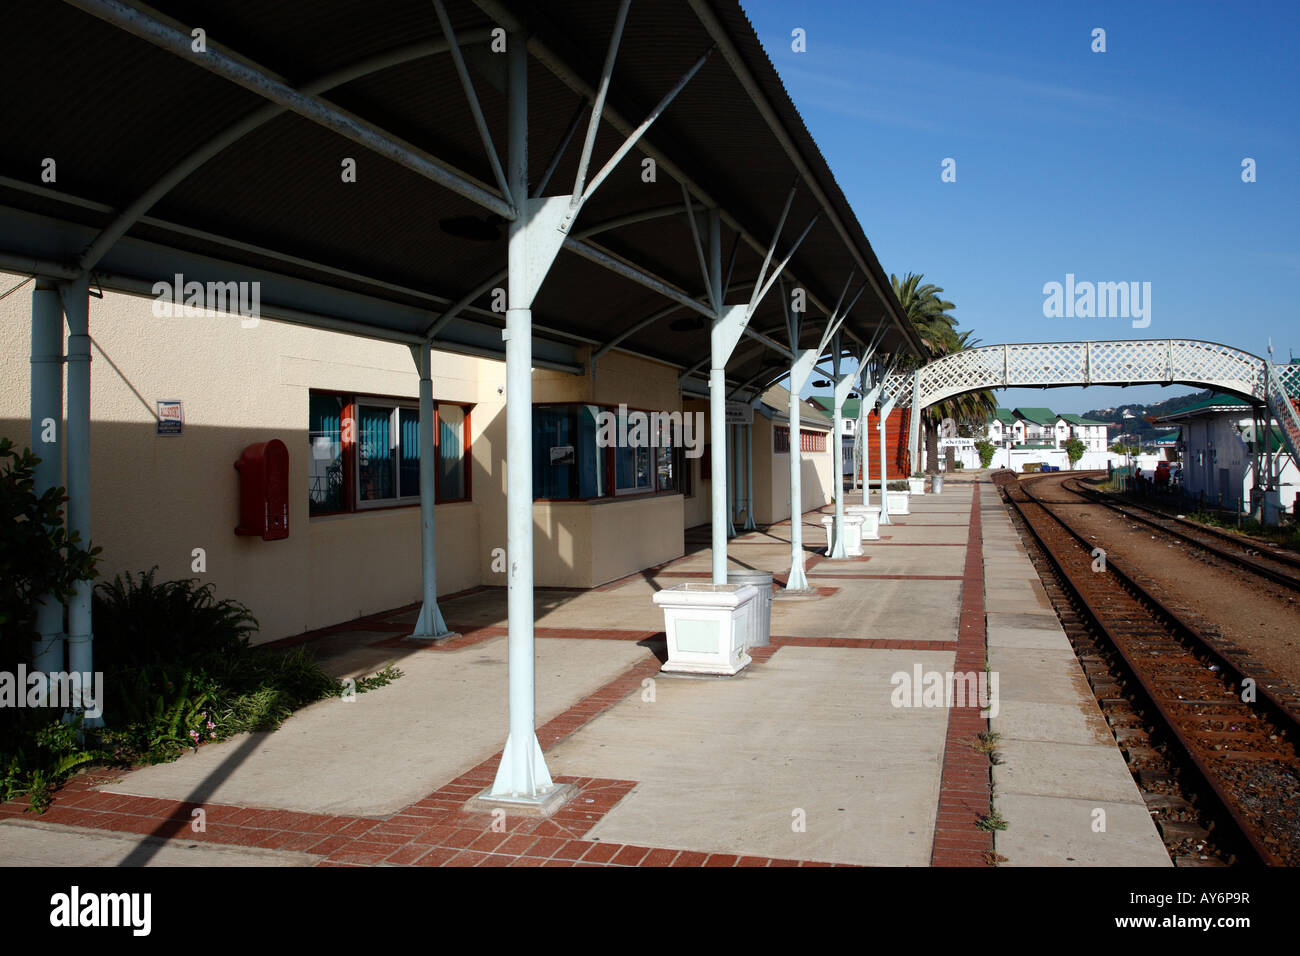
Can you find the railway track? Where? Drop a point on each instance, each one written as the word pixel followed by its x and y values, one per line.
pixel 1269 563
pixel 1192 716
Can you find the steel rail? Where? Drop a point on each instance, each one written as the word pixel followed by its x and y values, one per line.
pixel 1276 711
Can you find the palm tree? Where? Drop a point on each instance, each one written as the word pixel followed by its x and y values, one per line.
pixel 928 311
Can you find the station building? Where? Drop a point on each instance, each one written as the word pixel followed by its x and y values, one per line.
pixel 169 489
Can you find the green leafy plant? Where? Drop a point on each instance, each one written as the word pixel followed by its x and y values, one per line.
pixel 986 450
pixel 1074 449
pixel 38 556
pixel 179 671
pixel 991 821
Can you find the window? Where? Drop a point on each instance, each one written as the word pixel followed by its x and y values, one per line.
pixel 632 471
pixel 568 464
pixel 326 468
pixel 365 453
pixel 809 441
pixel 453 464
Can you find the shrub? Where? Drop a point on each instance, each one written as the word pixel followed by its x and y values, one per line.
pixel 38 556
pixel 985 449
pixel 179 670
pixel 1074 449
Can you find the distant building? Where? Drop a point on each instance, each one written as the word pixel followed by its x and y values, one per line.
pixel 1224 458
pixel 1092 433
pixel 1044 428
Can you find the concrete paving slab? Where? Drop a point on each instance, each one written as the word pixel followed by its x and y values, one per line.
pixel 886 609
pixel 1054 769
pixel 1017 599
pixel 921 534
pixel 1040 618
pixel 724 765
pixel 393 745
pixel 918 560
pixel 1063 722
pixel 29 843
pixel 1056 831
pixel 1040 638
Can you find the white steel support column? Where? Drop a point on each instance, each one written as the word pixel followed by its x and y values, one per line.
pixel 731 482
pixel 522 774
pixel 718 438
pixel 800 370
pixel 76 305
pixel 864 446
pixel 47 444
pixel 749 479
pixel 430 625
pixel 796 581
pixel 843 384
pixel 914 425
pixel 718 355
pixel 885 409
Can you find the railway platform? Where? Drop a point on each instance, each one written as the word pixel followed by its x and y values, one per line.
pixel 836 746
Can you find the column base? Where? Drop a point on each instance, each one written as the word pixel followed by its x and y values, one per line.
pixel 540 805
pixel 432 638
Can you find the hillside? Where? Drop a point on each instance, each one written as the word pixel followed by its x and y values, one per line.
pixel 1137 424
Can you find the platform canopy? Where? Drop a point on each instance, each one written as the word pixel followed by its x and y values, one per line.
pixel 128 154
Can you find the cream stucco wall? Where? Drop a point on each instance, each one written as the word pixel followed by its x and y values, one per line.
pixel 587 543
pixel 155 499
pixel 815 484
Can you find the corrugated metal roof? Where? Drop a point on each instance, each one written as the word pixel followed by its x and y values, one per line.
pixel 116 113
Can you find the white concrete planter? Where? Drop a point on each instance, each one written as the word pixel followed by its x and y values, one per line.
pixel 708 627
pixel 899 502
pixel 870 520
pixel 853 535
pixel 828 522
pixel 916 486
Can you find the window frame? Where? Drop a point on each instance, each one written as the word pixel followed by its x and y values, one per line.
pixel 350 410
pixel 609 464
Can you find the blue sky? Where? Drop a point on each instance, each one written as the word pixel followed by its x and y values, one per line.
pixel 1115 166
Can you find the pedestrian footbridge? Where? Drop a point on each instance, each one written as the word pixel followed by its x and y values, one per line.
pixel 1119 362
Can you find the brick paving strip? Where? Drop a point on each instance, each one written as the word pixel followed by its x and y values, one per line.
pixel 965 784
